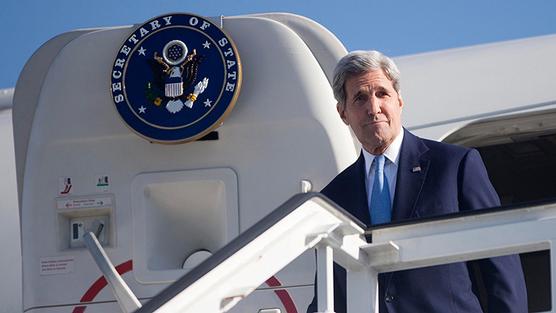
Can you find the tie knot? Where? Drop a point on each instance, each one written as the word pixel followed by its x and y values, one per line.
pixel 379 163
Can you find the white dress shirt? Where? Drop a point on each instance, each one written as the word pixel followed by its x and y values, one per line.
pixel 392 157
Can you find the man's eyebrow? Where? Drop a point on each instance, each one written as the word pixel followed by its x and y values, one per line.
pixel 358 92
pixel 369 89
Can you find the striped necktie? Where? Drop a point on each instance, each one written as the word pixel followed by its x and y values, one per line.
pixel 380 197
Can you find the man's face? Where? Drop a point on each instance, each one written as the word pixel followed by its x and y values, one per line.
pixel 372 109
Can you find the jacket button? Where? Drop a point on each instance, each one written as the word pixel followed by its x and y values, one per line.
pixel 389 298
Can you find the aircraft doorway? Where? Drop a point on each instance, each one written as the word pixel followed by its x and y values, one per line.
pixel 519 152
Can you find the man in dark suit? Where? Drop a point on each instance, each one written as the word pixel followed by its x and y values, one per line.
pixel 400 176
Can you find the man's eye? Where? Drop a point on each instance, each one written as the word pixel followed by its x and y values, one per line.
pixel 381 94
pixel 359 99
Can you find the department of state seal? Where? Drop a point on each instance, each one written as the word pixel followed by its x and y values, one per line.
pixel 175 78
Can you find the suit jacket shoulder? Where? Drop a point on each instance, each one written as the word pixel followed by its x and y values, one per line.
pixel 466 167
pixel 348 190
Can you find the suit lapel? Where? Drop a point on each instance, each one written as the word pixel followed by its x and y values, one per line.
pixel 359 206
pixel 412 171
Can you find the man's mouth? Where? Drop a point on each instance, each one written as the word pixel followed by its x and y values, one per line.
pixel 371 123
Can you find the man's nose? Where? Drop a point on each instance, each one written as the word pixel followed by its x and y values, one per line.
pixel 374 106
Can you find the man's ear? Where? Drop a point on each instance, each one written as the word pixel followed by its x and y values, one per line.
pixel 341 111
pixel 400 100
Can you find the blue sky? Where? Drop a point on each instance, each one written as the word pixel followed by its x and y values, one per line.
pixel 397 27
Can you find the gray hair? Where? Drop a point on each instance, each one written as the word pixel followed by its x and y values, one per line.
pixel 358 62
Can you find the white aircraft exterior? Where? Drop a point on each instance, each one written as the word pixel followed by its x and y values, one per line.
pixel 10 259
pixel 162 206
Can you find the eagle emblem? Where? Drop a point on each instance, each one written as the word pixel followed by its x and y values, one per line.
pixel 174 72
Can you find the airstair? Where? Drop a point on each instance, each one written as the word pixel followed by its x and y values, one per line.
pixel 312 221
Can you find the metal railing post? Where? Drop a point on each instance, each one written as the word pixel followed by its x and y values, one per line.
pixel 325 279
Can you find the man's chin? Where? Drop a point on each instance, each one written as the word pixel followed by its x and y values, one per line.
pixel 378 144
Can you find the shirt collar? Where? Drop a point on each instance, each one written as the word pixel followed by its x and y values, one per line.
pixel 392 153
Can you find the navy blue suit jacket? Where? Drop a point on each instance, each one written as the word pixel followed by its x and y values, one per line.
pixel 451 179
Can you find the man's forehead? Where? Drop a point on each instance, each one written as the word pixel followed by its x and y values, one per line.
pixel 373 78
